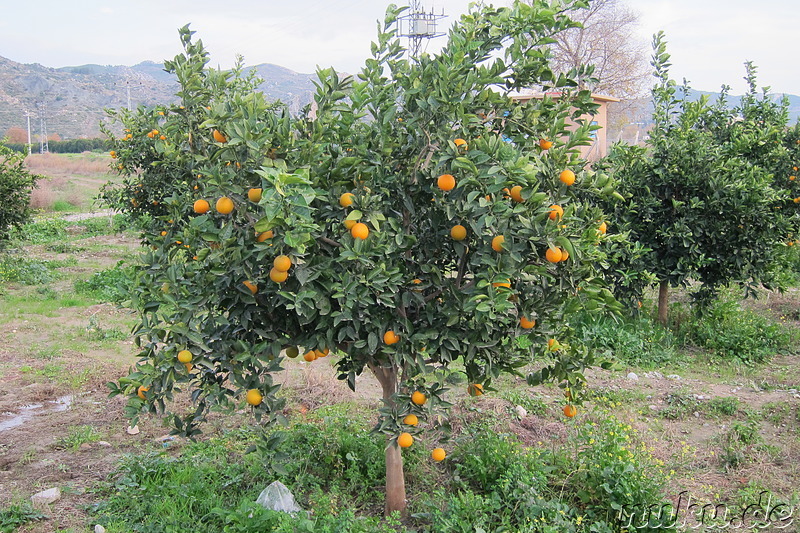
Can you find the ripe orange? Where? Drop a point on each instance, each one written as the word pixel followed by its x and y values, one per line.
pixel 254 397
pixel 476 389
pixel 219 137
pixel 570 411
pixel 438 454
pixel 525 323
pixel 458 232
pixel 163 137
pixel 564 255
pixel 416 281
pixel 201 207
pixel 390 337
pixel 185 356
pixel 264 236
pixel 556 212
pixel 516 194
pixel 506 284
pixel 545 144
pixel 224 206
pixel 310 355
pixel 553 254
pixel 163 233
pixel 446 182
pixel 292 352
pixel 278 276
pixel 349 224
pixel 282 263
pixel 411 420
pixel 792 178
pixel 254 194
pixel 359 231
pixel 113 154
pixel 602 228
pixel 567 177
pixel 460 142
pixel 250 285
pixel 497 243
pixel 553 345
pixel 405 440
pixel 141 390
pixel 346 200
pixel 321 353
pixel 189 367
pixel 418 398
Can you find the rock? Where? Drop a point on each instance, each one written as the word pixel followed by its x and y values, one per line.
pixel 85 446
pixel 653 407
pixel 46 497
pixel 676 377
pixel 133 430
pixel 521 411
pixel 654 375
pixel 278 498
pixel 696 414
pixel 632 376
pixel 165 438
pixel 104 444
pixel 99 529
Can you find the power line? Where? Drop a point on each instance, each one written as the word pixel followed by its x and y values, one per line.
pixel 419 26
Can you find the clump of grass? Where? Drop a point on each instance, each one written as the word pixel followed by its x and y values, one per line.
pixel 16 516
pixel 724 406
pixel 77 435
pixel 110 285
pixel 14 268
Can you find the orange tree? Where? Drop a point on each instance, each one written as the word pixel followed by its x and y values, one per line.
pixel 16 183
pixel 409 220
pixel 704 208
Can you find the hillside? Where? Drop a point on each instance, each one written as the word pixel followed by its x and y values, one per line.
pixel 75 97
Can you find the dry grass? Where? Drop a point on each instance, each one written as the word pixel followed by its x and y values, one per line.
pixel 88 164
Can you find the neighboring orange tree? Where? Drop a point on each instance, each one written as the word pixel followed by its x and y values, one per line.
pixel 16 184
pixel 702 197
pixel 410 222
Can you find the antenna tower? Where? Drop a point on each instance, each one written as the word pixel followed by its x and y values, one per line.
pixel 419 26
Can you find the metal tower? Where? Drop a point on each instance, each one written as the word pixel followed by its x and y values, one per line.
pixel 43 146
pixel 418 26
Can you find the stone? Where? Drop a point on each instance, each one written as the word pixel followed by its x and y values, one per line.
pixel 99 529
pixel 654 375
pixel 133 430
pixel 676 377
pixel 521 411
pixel 46 497
pixel 653 407
pixel 104 444
pixel 632 376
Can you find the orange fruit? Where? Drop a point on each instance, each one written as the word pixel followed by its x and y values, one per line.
pixel 359 231
pixel 553 255
pixel 506 284
pixel 411 420
pixel 346 199
pixel 261 237
pixel 792 178
pixel 278 276
pixel 556 212
pixel 113 154
pixel 497 243
pixel 567 177
pixel 602 228
pixel 282 263
pixel 416 281
pixel 525 323
pixel 350 223
pixel 516 194
pixel 564 255
pixel 310 355
pixel 163 233
pixel 189 367
pixel 224 206
pixel 185 356
pixel 553 345
pixel 458 232
pixel 446 182
pixel 438 454
pixel 254 397
pixel 460 142
pixel 418 398
pixel 545 144
pixel 476 389
pixel 405 440
pixel 201 207
pixel 250 285
pixel 141 390
pixel 292 352
pixel 163 137
pixel 390 337
pixel 219 137
pixel 321 353
pixel 254 194
pixel 570 411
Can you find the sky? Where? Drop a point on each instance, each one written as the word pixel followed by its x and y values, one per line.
pixel 709 40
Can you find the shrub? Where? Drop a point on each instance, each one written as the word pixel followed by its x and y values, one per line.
pixel 16 184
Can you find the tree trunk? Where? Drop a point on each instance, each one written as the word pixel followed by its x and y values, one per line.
pixel 663 302
pixel 395 479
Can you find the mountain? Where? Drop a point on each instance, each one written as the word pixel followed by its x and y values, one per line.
pixel 73 99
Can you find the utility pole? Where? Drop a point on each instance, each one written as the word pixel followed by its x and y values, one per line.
pixel 418 26
pixel 28 116
pixel 43 146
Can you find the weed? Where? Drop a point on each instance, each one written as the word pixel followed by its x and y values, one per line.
pixel 532 404
pixel 16 516
pixel 78 435
pixel 25 270
pixel 724 406
pixel 111 285
pixel 64 248
pixel 679 405
pixel 777 413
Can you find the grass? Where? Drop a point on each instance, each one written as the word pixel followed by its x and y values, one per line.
pixel 16 516
pixel 77 436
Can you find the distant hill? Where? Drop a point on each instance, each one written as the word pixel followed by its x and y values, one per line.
pixel 75 97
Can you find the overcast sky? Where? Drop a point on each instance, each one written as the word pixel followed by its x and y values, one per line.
pixel 709 39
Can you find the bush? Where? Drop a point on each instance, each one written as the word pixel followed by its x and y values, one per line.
pixel 16 184
pixel 18 269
